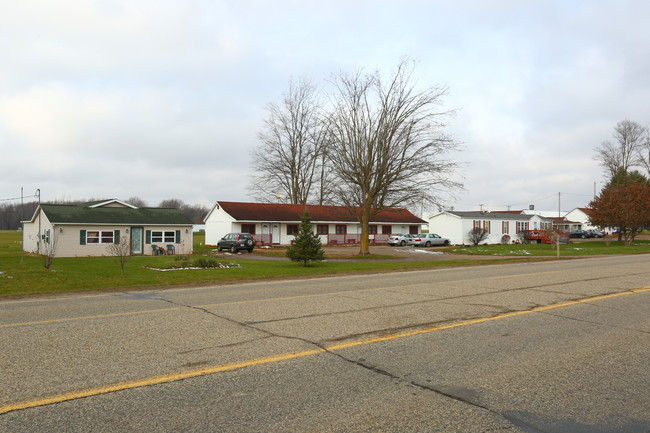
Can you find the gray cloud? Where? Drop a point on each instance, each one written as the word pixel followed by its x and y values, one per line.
pixel 161 100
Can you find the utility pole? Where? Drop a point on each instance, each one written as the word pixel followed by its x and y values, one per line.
pixel 22 218
pixel 38 193
pixel 558 231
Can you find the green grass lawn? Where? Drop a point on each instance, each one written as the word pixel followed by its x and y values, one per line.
pixel 103 273
pixel 72 274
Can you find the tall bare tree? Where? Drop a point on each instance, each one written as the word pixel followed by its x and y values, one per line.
pixel 387 143
pixel 644 151
pixel 121 250
pixel 624 151
pixel 288 160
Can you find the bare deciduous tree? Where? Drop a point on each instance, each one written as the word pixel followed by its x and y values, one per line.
pixel 477 235
pixel 121 250
pixel 172 203
pixel 289 160
pixel 136 201
pixel 387 144
pixel 47 247
pixel 623 152
pixel 644 151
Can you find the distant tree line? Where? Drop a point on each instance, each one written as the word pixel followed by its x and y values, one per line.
pixel 12 213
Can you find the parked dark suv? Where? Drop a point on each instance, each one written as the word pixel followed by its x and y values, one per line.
pixel 235 242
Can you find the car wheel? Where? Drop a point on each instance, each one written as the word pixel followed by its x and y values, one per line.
pixel 446 243
pixel 583 236
pixel 249 243
pixel 218 247
pixel 402 243
pixel 428 244
pixel 250 251
pixel 233 249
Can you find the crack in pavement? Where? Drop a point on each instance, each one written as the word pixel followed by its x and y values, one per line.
pixel 447 393
pixel 358 363
pixel 325 350
pixel 591 322
pixel 411 327
pixel 222 346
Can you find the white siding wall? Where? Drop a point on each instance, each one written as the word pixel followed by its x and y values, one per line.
pixel 579 216
pixel 30 232
pixel 447 226
pixel 456 228
pixel 218 224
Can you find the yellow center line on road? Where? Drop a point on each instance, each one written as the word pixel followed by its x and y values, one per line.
pixel 167 378
pixel 285 298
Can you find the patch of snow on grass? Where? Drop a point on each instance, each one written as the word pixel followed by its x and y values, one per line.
pixel 221 266
pixel 423 251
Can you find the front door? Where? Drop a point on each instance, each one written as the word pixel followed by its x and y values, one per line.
pixel 275 236
pixel 137 246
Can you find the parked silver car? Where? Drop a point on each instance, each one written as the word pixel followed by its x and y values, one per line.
pixel 596 233
pixel 399 239
pixel 427 240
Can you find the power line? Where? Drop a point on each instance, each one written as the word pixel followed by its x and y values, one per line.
pixel 549 197
pixel 19 198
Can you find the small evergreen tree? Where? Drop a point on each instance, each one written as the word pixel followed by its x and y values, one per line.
pixel 306 244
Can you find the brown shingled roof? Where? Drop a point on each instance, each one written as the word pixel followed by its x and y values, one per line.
pixel 293 213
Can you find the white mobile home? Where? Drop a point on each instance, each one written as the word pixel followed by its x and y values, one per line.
pixel 502 227
pixel 277 224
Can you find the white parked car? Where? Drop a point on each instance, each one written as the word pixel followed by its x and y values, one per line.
pixel 427 240
pixel 399 239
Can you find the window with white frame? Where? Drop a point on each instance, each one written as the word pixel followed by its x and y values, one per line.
pixel 100 237
pixel 163 236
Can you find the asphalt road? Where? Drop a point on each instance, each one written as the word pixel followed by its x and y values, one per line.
pixel 534 347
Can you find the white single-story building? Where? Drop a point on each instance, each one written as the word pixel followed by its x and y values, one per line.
pixel 87 229
pixel 277 224
pixel 502 227
pixel 583 216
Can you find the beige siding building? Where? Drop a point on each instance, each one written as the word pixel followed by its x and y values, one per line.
pixel 88 229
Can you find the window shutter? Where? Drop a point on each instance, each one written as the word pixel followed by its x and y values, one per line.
pixel 148 236
pixel 178 236
pixel 117 237
pixel 82 237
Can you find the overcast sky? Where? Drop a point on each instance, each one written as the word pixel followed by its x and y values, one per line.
pixel 164 99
